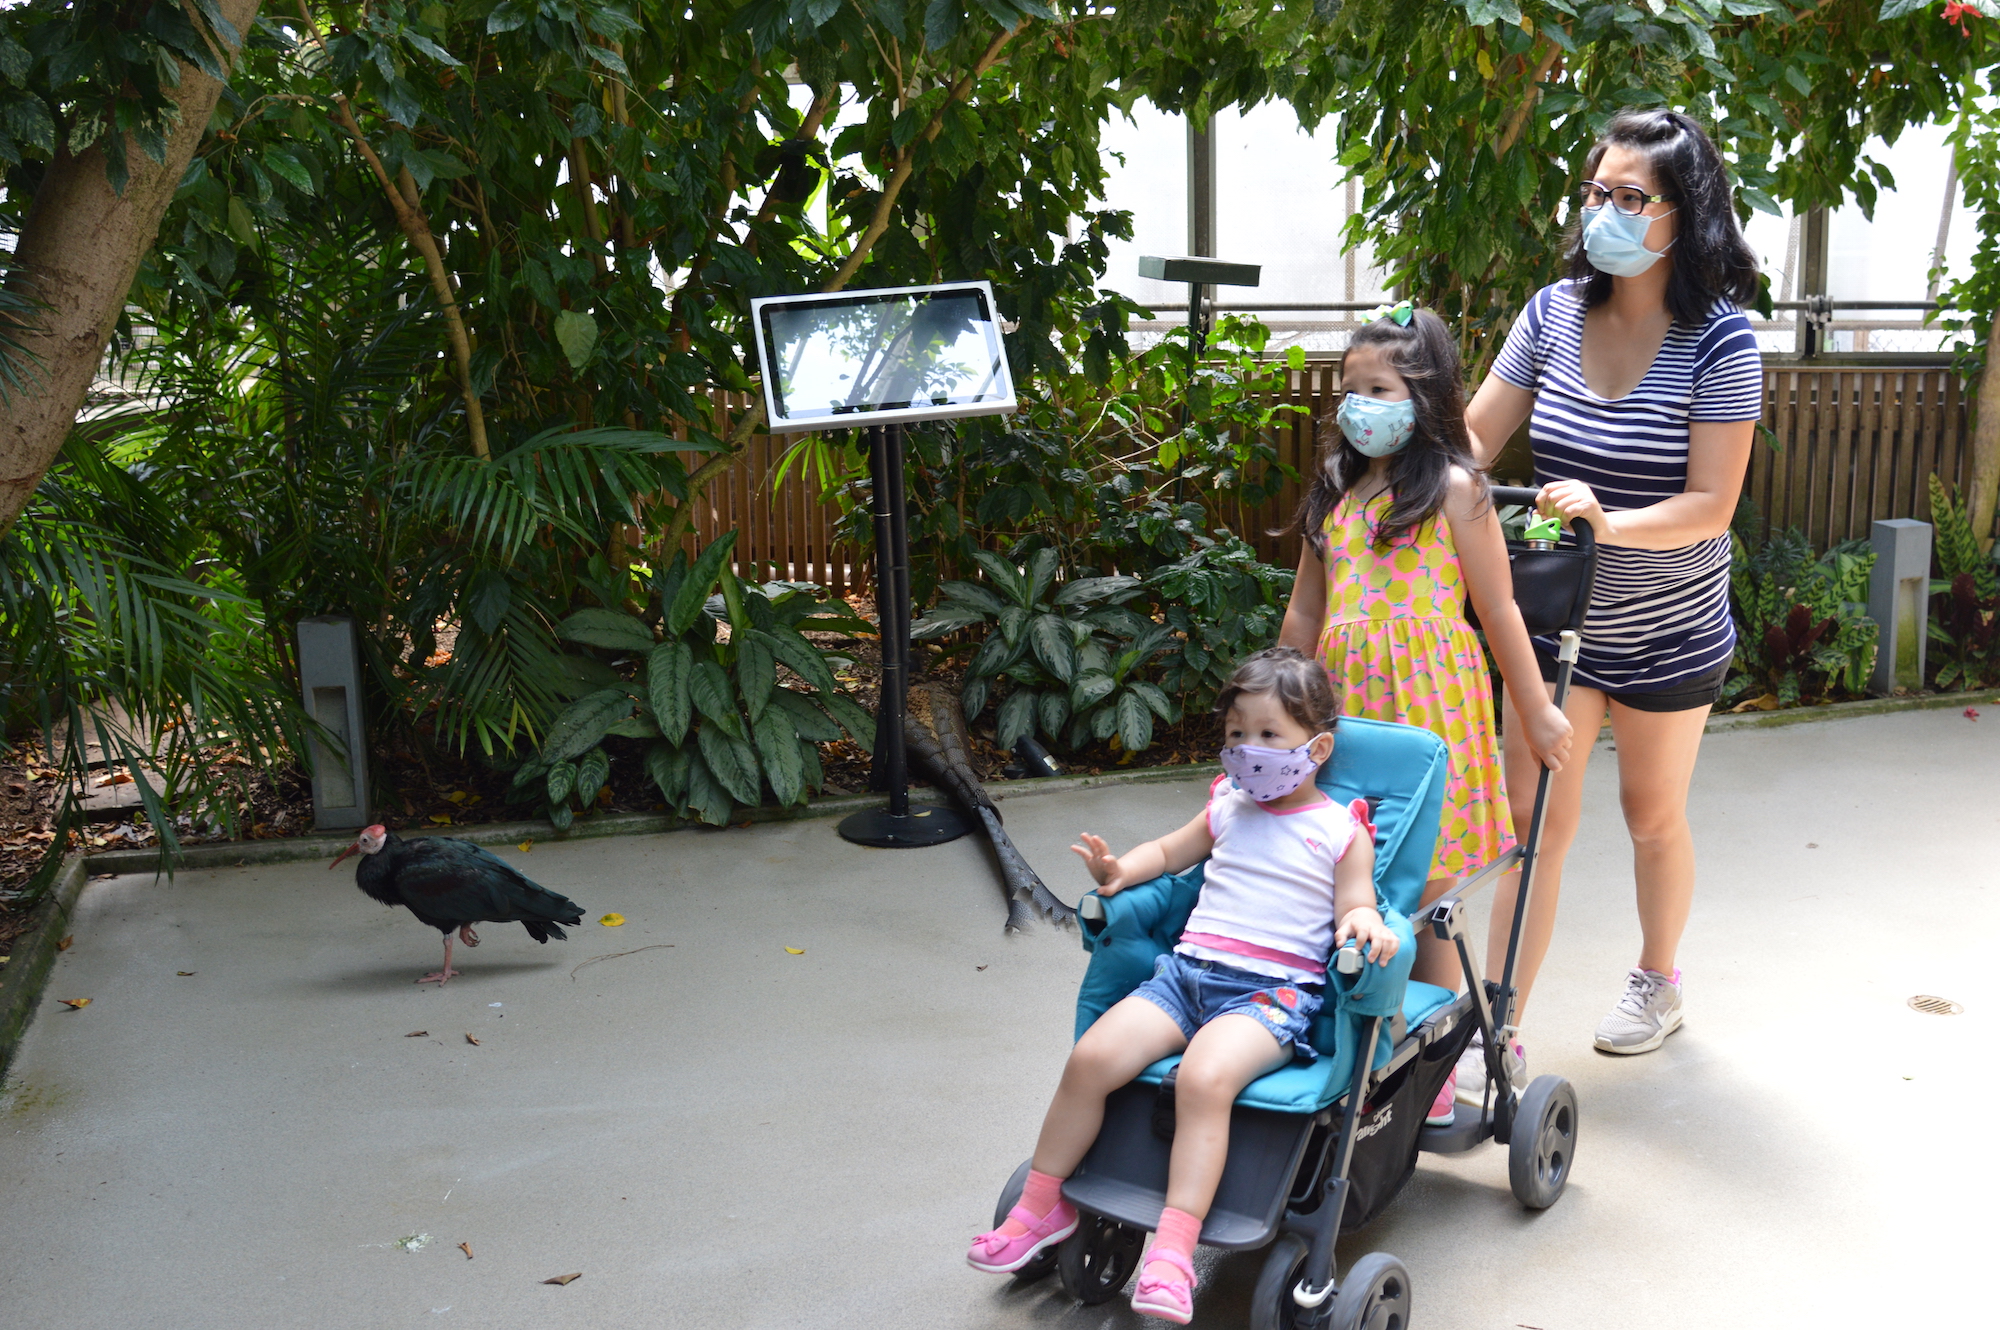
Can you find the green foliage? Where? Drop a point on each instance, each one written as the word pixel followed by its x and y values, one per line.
pixel 1221 604
pixel 1965 601
pixel 1802 626
pixel 716 724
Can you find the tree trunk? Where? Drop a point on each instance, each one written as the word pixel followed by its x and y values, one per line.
pixel 79 250
pixel 1985 486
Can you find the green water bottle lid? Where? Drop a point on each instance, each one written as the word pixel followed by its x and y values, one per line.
pixel 1547 528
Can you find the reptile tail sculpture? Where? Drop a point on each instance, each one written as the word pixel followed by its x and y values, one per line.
pixel 934 737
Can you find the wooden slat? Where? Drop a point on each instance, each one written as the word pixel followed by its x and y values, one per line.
pixel 1840 466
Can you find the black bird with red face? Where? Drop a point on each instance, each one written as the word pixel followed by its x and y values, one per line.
pixel 452 885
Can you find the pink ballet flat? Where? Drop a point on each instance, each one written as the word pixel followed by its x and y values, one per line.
pixel 998 1254
pixel 1168 1299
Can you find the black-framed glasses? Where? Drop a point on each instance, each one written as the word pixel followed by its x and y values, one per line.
pixel 1625 198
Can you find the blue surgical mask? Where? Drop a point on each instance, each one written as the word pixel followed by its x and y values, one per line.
pixel 1377 428
pixel 1616 243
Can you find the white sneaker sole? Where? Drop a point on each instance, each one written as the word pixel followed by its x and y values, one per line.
pixel 1660 1037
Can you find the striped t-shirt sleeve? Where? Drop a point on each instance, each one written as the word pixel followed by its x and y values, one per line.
pixel 1729 371
pixel 1520 359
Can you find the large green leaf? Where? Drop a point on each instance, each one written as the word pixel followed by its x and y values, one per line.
pixel 756 673
pixel 1162 706
pixel 778 747
pixel 853 718
pixel 1090 688
pixel 1005 576
pixel 668 675
pixel 561 780
pixel 802 657
pixel 667 764
pixel 1054 646
pixel 1090 590
pixel 709 687
pixel 592 770
pixel 733 763
pixel 1042 569
pixel 584 722
pixel 576 333
pixel 811 723
pixel 606 628
pixel 707 797
pixel 1017 716
pixel 973 596
pixel 1135 722
pixel 701 579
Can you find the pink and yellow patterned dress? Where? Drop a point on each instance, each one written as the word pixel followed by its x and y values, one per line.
pixel 1397 647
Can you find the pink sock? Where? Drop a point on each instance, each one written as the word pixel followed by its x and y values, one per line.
pixel 1039 1195
pixel 1178 1232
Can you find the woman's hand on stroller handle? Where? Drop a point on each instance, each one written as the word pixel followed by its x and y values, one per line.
pixel 1549 734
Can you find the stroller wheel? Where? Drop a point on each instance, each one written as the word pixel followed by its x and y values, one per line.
pixel 1544 1142
pixel 1374 1296
pixel 1044 1263
pixel 1271 1305
pixel 1098 1259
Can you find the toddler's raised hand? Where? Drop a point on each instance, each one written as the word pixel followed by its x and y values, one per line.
pixel 1369 932
pixel 1102 863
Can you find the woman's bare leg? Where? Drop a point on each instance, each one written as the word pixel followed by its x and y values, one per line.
pixel 1656 757
pixel 1585 709
pixel 1124 1042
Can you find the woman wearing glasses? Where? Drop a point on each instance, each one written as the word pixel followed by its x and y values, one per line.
pixel 1640 379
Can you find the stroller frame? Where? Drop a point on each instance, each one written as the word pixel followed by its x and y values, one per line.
pixel 1287 1183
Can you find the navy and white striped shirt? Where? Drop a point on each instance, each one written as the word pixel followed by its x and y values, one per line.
pixel 1657 616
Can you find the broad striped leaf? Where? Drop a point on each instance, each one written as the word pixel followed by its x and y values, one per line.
pixel 713 697
pixel 701 580
pixel 811 723
pixel 1053 645
pixel 1090 688
pixel 778 747
pixel 756 673
pixel 707 799
pixel 733 763
pixel 1005 575
pixel 592 770
pixel 1017 716
pixel 853 718
pixel 802 658
pixel 1135 722
pixel 667 679
pixel 668 766
pixel 584 722
pixel 562 779
pixel 606 628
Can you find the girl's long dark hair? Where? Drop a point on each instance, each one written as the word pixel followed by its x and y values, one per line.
pixel 1711 260
pixel 1426 355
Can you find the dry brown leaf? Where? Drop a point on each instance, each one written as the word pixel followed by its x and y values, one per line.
pixel 185 974
pixel 466 1247
pixel 416 1034
pixel 74 1004
pixel 68 941
pixel 470 1040
pixel 565 1279
pixel 979 967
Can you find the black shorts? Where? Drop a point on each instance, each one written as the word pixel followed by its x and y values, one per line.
pixel 1681 695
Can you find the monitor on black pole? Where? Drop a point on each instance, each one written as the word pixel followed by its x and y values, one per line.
pixel 877 360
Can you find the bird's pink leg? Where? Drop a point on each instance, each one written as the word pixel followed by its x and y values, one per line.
pixel 467 936
pixel 444 975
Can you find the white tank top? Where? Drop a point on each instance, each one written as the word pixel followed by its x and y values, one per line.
pixel 1267 895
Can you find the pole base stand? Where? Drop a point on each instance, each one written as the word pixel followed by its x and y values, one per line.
pixel 926 824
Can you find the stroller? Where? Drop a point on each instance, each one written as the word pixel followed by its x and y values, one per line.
pixel 1318 1149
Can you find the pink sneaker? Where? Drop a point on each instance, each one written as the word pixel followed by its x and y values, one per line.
pixel 1168 1299
pixel 998 1253
pixel 1445 1108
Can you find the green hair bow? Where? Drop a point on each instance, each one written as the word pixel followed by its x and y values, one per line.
pixel 1400 312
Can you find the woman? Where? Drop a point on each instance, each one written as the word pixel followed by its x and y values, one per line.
pixel 1642 385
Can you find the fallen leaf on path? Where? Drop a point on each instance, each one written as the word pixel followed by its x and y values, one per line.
pixel 1972 713
pixel 612 920
pixel 442 819
pixel 466 1247
pixel 470 1040
pixel 185 974
pixel 796 951
pixel 979 967
pixel 525 846
pixel 67 942
pixel 565 1279
pixel 74 1004
pixel 416 1034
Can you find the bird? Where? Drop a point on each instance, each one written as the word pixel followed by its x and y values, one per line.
pixel 453 884
pixel 934 736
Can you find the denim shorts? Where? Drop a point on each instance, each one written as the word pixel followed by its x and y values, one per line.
pixel 1194 992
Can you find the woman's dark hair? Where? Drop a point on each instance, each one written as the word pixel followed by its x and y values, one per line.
pixel 1426 355
pixel 1711 260
pixel 1295 679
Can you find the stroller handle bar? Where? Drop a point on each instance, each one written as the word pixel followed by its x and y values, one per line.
pixel 1526 496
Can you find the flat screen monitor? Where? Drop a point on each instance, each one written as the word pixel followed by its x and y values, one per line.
pixel 861 358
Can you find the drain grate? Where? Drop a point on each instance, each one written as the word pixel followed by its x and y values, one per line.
pixel 1936 1006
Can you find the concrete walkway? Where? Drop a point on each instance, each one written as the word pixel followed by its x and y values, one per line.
pixel 718 1133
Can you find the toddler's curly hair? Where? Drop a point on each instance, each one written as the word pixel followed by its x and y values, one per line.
pixel 1298 682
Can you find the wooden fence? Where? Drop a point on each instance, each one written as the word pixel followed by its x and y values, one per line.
pixel 1842 446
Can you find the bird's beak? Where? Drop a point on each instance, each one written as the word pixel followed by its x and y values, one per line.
pixel 343 854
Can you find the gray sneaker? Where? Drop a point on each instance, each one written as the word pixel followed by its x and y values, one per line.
pixel 1471 1071
pixel 1645 1016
